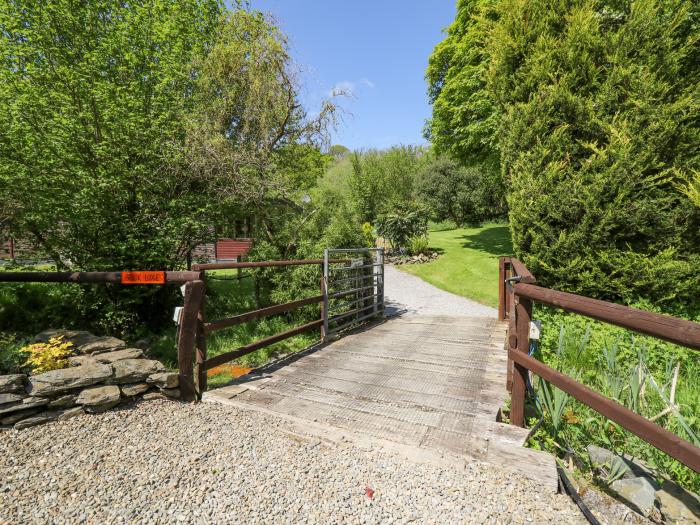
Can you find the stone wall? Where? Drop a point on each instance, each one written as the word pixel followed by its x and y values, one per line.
pixel 102 374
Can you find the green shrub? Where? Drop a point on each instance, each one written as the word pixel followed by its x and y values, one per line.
pixel 12 359
pixel 418 245
pixel 634 370
pixel 368 233
pixel 52 355
pixel 592 108
pixel 596 124
pixel 465 195
pixel 402 224
pixel 382 180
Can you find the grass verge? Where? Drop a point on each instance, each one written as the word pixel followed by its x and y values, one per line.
pixel 468 264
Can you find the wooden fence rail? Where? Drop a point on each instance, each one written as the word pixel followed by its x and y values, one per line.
pixel 191 341
pixel 197 347
pixel 262 264
pixel 517 292
pixel 88 277
pixel 193 327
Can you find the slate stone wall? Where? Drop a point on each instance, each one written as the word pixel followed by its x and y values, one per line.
pixel 102 374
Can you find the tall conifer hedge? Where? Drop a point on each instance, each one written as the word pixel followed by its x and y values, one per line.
pixel 597 104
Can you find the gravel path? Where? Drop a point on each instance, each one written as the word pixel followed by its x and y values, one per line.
pixel 169 462
pixel 406 292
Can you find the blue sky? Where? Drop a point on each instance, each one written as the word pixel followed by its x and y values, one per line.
pixel 377 49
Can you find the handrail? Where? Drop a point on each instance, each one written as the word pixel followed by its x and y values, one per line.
pixel 261 264
pixel 515 305
pixel 666 441
pixel 246 349
pixel 672 329
pixel 522 271
pixel 87 277
pixel 262 312
pixel 203 328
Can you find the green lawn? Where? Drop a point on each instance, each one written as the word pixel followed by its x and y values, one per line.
pixel 468 264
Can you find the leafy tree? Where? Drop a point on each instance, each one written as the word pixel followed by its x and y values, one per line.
pixel 598 121
pixel 248 132
pixel 91 99
pixel 465 119
pixel 690 186
pixel 592 108
pixel 463 194
pixel 338 151
pixel 128 130
pixel 383 180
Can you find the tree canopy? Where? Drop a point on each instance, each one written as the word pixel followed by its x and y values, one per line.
pixel 128 131
pixel 464 195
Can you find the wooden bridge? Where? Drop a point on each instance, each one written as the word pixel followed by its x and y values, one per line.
pixel 433 385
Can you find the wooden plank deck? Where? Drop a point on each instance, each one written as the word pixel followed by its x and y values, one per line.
pixel 434 384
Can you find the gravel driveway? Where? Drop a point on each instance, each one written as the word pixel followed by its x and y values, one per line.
pixel 406 292
pixel 169 462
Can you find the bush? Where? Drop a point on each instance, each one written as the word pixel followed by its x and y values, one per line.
pixel 368 233
pixel 591 151
pixel 634 370
pixel 28 308
pixel 43 357
pixel 12 359
pixel 465 195
pixel 384 180
pixel 592 108
pixel 418 245
pixel 402 224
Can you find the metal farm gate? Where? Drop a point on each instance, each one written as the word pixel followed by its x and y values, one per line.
pixel 353 287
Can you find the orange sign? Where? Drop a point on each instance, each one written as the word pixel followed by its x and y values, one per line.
pixel 143 277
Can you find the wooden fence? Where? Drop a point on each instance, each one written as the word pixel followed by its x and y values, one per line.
pixel 518 291
pixel 194 327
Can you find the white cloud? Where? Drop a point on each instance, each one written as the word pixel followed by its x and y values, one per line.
pixel 344 87
pixel 348 88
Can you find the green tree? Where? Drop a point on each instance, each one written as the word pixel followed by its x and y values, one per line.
pixel 338 151
pixel 600 115
pixel 129 130
pixel 462 194
pixel 592 108
pixel 92 99
pixel 402 224
pixel 381 180
pixel 465 119
pixel 690 186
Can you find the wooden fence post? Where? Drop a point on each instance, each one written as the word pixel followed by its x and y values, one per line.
pixel 501 288
pixel 201 347
pixel 509 309
pixel 194 294
pixel 511 343
pixel 523 313
pixel 323 308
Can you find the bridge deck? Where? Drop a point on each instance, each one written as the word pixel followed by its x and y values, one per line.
pixel 431 383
